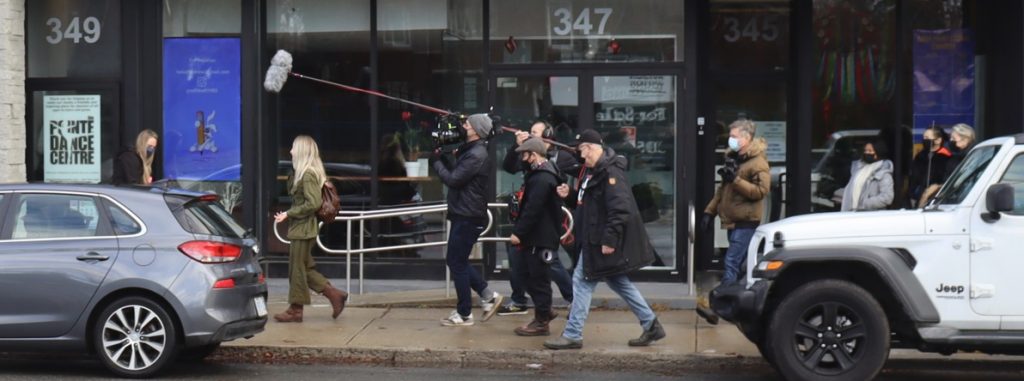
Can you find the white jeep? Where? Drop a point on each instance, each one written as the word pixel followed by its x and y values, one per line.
pixel 826 296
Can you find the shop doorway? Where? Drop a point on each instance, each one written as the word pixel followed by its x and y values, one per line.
pixel 637 110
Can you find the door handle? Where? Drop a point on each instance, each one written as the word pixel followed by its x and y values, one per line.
pixel 93 256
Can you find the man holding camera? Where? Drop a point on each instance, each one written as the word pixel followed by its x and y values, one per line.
pixel 565 164
pixel 536 232
pixel 467 179
pixel 739 201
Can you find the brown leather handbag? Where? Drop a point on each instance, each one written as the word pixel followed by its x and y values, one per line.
pixel 331 204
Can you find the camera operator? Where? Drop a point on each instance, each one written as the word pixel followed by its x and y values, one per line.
pixel 565 164
pixel 536 232
pixel 739 201
pixel 467 179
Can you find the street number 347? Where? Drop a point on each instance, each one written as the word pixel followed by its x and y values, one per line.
pixel 566 25
pixel 77 30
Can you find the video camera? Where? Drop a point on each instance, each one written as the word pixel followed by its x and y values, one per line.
pixel 449 131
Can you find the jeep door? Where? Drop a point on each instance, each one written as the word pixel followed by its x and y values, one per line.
pixel 997 258
pixel 55 251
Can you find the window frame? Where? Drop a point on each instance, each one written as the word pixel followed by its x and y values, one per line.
pixel 104 229
pixel 1015 185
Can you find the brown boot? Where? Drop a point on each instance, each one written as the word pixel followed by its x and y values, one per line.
pixel 292 315
pixel 337 298
pixel 537 327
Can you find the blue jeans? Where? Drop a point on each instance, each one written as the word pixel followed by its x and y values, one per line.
pixel 517 277
pixel 461 238
pixel 583 291
pixel 739 240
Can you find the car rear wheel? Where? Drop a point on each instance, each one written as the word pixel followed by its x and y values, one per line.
pixel 135 337
pixel 829 330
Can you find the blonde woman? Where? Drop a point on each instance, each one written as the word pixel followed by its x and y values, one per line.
pixel 305 189
pixel 135 164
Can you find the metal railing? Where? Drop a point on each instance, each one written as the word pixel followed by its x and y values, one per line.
pixel 351 217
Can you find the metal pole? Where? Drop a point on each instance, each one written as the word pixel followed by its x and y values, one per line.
pixel 690 253
pixel 348 255
pixel 362 225
pixel 447 271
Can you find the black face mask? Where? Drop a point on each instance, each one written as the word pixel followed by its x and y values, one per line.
pixel 869 158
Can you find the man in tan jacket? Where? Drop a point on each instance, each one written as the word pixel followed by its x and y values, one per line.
pixel 739 201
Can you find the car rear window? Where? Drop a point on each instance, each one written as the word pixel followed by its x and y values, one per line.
pixel 207 217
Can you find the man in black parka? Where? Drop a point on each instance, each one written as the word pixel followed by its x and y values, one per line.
pixel 611 239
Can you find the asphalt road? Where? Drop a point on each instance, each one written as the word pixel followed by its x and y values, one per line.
pixel 65 368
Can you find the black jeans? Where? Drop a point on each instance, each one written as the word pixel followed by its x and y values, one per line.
pixel 517 279
pixel 461 238
pixel 538 281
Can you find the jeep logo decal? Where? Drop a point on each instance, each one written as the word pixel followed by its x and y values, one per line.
pixel 949 289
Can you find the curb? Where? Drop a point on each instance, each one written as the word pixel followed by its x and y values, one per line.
pixel 508 359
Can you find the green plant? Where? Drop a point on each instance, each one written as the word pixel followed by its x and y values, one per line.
pixel 413 140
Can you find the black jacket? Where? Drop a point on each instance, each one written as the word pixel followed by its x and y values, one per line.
pixel 467 181
pixel 608 216
pixel 563 161
pixel 920 177
pixel 540 210
pixel 127 168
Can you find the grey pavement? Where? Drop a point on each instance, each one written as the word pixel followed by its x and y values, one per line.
pixel 397 324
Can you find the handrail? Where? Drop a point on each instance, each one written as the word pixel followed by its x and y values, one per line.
pixel 690 253
pixel 362 216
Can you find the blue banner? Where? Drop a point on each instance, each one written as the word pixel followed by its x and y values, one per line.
pixel 202 109
pixel 943 78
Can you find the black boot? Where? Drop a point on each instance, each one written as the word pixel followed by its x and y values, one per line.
pixel 655 333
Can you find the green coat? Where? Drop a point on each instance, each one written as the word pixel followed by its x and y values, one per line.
pixel 306 200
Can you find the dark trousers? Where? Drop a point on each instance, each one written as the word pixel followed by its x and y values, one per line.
pixel 517 279
pixel 461 238
pixel 538 281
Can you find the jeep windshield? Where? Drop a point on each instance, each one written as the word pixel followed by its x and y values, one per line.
pixel 962 180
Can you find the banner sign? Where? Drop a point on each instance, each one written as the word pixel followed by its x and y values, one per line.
pixel 71 138
pixel 202 109
pixel 943 78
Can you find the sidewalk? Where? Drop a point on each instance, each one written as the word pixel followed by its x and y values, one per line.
pixel 397 323
pixel 374 329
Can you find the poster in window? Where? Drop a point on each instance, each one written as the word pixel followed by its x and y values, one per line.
pixel 943 78
pixel 71 138
pixel 202 109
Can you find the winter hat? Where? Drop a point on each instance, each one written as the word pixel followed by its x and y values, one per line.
pixel 588 136
pixel 481 123
pixel 533 144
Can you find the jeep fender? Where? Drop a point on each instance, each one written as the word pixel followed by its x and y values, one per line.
pixel 894 269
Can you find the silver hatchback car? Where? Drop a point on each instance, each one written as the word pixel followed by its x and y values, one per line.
pixel 136 276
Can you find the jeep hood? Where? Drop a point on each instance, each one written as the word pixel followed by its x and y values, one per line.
pixel 848 225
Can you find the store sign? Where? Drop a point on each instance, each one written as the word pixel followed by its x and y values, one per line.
pixel 774 133
pixel 637 89
pixel 73 39
pixel 202 109
pixel 71 138
pixel 565 22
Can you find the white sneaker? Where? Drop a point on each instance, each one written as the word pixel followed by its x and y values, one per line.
pixel 489 306
pixel 456 320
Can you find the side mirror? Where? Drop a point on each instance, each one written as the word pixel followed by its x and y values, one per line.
pixel 1000 198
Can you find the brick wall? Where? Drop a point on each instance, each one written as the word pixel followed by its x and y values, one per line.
pixel 12 91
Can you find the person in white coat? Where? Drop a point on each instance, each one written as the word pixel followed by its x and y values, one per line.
pixel 871 183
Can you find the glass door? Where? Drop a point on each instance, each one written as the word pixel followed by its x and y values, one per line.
pixel 635 111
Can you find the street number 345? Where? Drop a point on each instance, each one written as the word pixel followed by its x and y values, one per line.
pixel 566 24
pixel 77 30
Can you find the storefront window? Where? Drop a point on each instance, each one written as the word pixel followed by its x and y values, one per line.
pixel 853 90
pixel 201 140
pixel 68 38
pixel 750 36
pixel 566 31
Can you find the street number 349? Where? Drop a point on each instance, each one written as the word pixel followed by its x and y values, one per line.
pixel 77 30
pixel 566 25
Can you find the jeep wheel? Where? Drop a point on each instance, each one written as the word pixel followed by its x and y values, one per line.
pixel 135 337
pixel 829 330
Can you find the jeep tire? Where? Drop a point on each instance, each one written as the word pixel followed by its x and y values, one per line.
pixel 828 330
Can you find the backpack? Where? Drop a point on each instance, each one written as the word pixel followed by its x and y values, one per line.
pixel 330 205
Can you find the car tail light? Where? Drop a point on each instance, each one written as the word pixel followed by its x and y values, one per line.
pixel 211 252
pixel 225 283
pixel 262 278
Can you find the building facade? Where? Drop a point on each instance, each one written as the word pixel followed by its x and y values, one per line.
pixel 659 79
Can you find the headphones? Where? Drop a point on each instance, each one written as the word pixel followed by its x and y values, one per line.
pixel 549 132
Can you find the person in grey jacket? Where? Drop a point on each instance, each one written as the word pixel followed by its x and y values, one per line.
pixel 871 184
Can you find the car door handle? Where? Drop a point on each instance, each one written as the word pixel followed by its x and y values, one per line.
pixel 93 256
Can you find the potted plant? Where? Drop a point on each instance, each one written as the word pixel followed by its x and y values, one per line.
pixel 413 139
